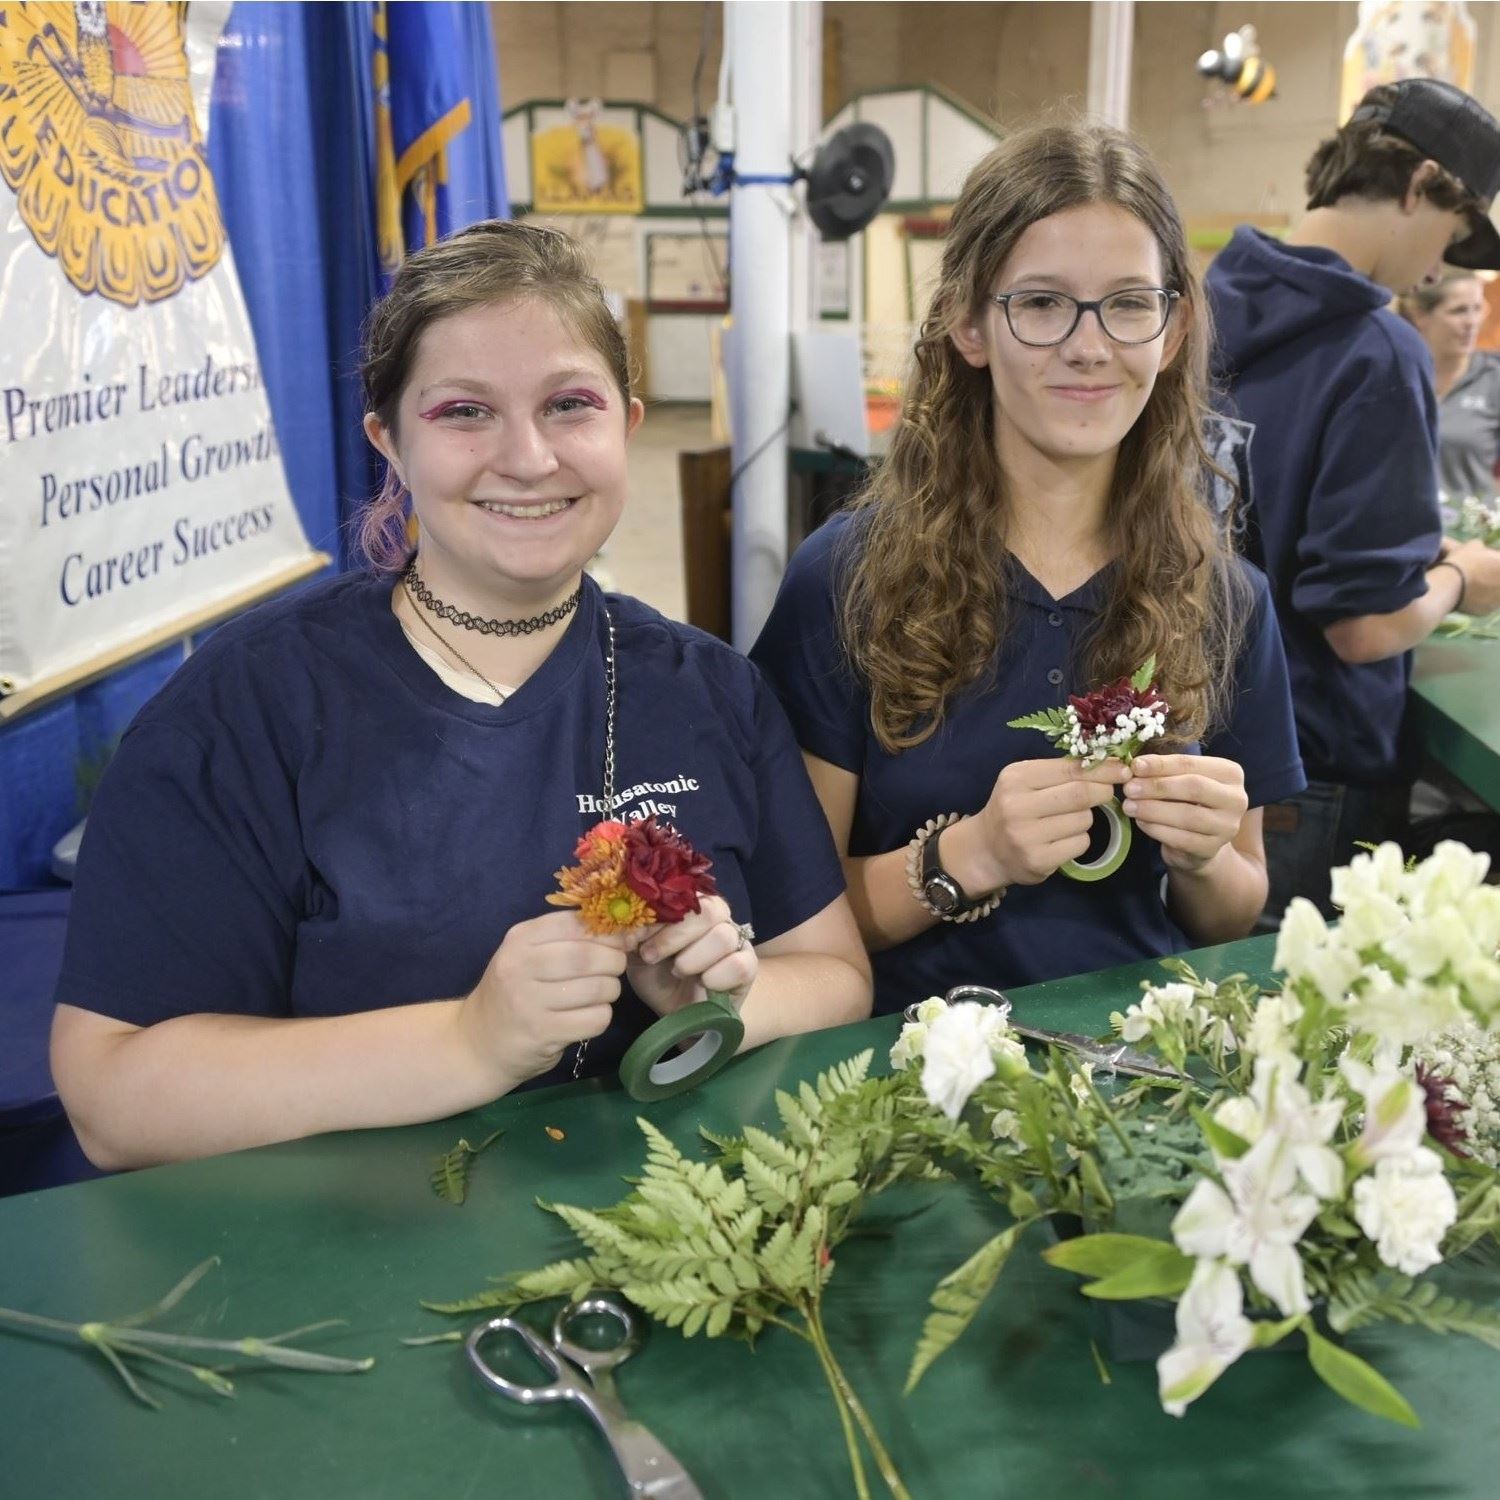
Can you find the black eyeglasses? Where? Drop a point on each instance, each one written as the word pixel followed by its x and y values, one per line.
pixel 1135 315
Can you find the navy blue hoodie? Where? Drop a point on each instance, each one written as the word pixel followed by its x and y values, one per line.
pixel 1343 479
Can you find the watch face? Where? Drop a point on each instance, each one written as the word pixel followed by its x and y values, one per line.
pixel 942 895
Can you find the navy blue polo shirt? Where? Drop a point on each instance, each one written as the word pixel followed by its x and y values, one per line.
pixel 306 821
pixel 1343 479
pixel 1043 931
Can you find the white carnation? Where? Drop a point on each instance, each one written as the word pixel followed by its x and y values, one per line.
pixel 1406 1205
pixel 959 1054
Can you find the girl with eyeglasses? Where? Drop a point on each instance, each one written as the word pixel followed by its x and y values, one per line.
pixel 1040 527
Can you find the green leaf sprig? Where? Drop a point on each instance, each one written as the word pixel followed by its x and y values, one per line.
pixel 128 1338
pixel 450 1177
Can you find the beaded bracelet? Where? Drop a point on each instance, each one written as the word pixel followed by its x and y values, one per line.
pixel 914 878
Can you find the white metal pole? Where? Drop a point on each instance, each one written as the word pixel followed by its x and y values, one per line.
pixel 758 37
pixel 1111 31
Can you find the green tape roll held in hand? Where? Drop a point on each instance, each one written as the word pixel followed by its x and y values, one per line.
pixel 652 1070
pixel 1115 849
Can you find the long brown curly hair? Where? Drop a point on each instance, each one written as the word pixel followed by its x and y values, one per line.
pixel 923 611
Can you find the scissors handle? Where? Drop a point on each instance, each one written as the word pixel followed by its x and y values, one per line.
pixel 564 1385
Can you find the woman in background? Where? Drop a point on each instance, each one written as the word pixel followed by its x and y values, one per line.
pixel 1449 313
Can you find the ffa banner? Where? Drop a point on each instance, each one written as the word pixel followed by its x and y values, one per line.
pixel 141 484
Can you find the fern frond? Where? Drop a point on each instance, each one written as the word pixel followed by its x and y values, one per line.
pixel 957 1297
pixel 450 1177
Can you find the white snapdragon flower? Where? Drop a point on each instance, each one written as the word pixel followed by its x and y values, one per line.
pixel 1306 948
pixel 1255 1220
pixel 1271 1026
pixel 1395 1111
pixel 1445 877
pixel 1406 1205
pixel 1435 939
pixel 1005 1125
pixel 1480 909
pixel 959 1054
pixel 1401 1015
pixel 1212 1332
pixel 1378 875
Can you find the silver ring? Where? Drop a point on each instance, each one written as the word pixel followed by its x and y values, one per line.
pixel 747 936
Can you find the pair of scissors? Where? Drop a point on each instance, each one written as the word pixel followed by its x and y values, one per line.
pixel 585 1377
pixel 1113 1057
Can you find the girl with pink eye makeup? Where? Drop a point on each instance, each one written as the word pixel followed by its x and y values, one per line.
pixel 312 892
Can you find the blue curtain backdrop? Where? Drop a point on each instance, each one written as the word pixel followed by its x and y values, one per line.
pixel 294 148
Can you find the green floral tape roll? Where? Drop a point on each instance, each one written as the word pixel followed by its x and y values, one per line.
pixel 1115 849
pixel 653 1069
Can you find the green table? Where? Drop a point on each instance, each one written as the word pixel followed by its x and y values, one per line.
pixel 346 1226
pixel 1455 699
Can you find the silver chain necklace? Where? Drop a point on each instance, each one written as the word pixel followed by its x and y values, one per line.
pixel 609 763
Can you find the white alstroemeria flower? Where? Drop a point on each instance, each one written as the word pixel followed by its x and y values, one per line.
pixel 959 1054
pixel 1395 1111
pixel 1373 876
pixel 1306 948
pixel 1255 1223
pixel 1271 1026
pixel 1005 1125
pixel 1305 1127
pixel 1406 1205
pixel 1445 877
pixel 1212 1332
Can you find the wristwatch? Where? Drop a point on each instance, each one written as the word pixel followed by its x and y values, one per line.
pixel 942 893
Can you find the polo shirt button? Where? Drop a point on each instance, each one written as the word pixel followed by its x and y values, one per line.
pixel 1054 618
pixel 1055 676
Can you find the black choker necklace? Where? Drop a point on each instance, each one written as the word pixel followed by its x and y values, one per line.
pixel 466 621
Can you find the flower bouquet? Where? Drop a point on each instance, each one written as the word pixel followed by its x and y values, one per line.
pixel 1112 723
pixel 1306 1169
pixel 630 876
pixel 1289 1167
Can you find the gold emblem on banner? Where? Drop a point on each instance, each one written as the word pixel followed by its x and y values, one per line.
pixel 98 139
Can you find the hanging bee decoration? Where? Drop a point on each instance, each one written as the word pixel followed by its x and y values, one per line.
pixel 1240 67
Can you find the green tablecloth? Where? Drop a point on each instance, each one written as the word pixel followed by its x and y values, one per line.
pixel 1455 700
pixel 346 1226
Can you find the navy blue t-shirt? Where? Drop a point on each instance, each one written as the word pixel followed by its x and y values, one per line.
pixel 306 821
pixel 1343 469
pixel 1043 931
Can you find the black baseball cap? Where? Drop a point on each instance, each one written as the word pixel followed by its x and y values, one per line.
pixel 1461 136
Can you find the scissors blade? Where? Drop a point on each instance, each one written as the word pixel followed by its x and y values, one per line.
pixel 1116 1057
